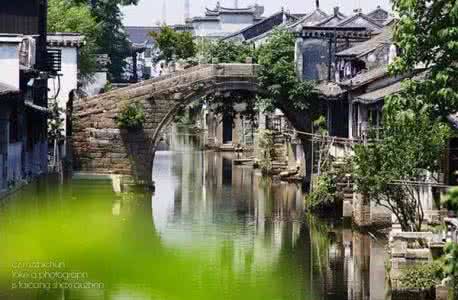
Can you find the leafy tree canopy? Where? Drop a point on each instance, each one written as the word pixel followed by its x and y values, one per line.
pixel 282 88
pixel 111 38
pixel 278 78
pixel 427 34
pixel 385 167
pixel 174 44
pixel 414 127
pixel 451 249
pixel 224 51
pixel 67 16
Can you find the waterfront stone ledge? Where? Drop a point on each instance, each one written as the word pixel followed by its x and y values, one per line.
pixel 120 183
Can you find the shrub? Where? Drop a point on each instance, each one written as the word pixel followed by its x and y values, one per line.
pixel 265 150
pixel 131 116
pixel 55 122
pixel 424 276
pixel 107 87
pixel 324 193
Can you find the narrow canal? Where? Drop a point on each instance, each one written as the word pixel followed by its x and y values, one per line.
pixel 212 230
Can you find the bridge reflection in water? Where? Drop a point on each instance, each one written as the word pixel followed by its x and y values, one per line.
pixel 211 231
pixel 206 203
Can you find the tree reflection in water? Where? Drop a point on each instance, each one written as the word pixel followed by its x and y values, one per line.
pixel 211 231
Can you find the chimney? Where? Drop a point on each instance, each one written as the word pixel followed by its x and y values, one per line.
pixel 336 11
pixel 317 4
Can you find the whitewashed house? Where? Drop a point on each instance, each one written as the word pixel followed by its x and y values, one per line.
pixel 97 83
pixel 62 85
pixel 223 21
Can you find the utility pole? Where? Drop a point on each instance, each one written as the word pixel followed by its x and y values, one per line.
pixel 236 3
pixel 164 12
pixel 187 10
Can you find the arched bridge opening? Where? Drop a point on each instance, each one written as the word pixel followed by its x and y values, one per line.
pixel 101 147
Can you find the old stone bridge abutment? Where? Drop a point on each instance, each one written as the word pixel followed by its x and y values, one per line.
pixel 100 147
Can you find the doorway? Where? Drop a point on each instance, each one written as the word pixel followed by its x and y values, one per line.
pixel 227 129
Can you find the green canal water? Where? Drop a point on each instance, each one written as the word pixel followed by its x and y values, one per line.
pixel 211 230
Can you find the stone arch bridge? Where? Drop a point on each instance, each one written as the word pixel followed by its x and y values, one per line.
pixel 100 147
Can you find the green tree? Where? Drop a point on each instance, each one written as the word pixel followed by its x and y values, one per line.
pixel 112 39
pixel 451 249
pixel 174 44
pixel 385 169
pixel 228 52
pixel 185 45
pixel 427 34
pixel 225 51
pixel 67 16
pixel 282 89
pixel 279 85
pixel 415 129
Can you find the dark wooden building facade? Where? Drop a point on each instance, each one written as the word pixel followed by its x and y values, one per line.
pixel 24 118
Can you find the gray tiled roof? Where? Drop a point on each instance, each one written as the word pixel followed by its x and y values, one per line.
pixel 140 34
pixel 356 19
pixel 231 10
pixel 331 21
pixel 380 94
pixel 379 14
pixel 368 46
pixel 261 27
pixel 65 39
pixel 316 16
pixel 366 77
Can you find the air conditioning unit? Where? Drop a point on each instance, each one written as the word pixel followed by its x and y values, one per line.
pixel 54 61
pixel 27 52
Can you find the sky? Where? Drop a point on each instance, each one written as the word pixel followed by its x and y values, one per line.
pixel 149 12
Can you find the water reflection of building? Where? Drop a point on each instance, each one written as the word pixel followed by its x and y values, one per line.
pixel 207 189
pixel 246 223
pixel 364 266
